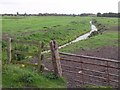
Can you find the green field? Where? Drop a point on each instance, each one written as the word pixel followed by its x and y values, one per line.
pixel 107 21
pixel 44 28
pixel 61 28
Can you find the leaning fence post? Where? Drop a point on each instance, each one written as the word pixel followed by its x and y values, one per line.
pixel 56 58
pixel 9 50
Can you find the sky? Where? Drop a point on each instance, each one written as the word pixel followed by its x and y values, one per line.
pixel 58 6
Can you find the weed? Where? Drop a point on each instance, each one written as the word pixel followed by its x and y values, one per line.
pixel 51 76
pixel 26 78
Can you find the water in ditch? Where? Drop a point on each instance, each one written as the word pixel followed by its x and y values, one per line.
pixel 82 37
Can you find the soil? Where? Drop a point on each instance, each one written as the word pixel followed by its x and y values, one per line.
pixel 104 52
pixel 110 52
pixel 114 28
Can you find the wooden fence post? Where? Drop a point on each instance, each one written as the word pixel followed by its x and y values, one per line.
pixel 9 50
pixel 56 58
pixel 40 56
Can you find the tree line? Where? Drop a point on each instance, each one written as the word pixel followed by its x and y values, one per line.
pixel 110 14
pixel 49 14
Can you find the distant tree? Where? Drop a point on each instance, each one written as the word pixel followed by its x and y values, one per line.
pixel 25 14
pixel 118 15
pixel 99 14
pixel 17 13
pixel 110 14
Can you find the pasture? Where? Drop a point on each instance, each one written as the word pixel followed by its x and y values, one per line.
pixel 61 28
pixel 46 28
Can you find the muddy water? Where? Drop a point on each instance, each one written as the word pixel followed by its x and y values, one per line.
pixel 82 37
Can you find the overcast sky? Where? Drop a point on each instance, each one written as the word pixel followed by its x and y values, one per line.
pixel 58 6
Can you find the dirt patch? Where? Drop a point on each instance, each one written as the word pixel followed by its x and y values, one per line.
pixel 75 79
pixel 114 28
pixel 110 52
pixel 6 35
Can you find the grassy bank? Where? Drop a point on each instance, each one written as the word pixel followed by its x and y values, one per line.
pixel 106 39
pixel 16 76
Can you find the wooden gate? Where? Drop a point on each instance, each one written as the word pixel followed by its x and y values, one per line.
pixel 87 70
pixel 81 70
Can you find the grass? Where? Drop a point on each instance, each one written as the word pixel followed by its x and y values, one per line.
pixel 30 23
pixel 106 39
pixel 15 76
pixel 63 29
pixel 92 87
pixel 0 74
pixel 45 28
pixel 107 21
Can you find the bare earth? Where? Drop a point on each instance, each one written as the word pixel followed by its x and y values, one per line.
pixel 110 52
pixel 104 52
